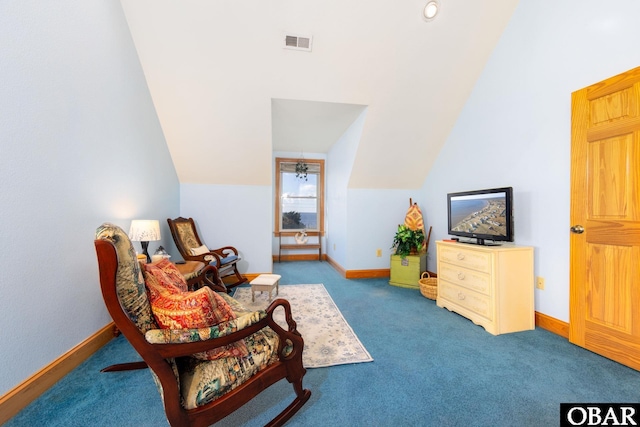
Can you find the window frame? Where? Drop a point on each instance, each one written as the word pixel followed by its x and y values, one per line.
pixel 319 196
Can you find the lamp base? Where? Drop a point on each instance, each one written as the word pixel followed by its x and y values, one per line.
pixel 145 246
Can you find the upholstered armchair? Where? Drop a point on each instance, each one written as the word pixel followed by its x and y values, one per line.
pixel 191 247
pixel 204 370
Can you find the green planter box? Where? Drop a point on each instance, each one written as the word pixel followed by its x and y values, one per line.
pixel 406 272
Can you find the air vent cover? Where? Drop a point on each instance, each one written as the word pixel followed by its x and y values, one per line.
pixel 298 42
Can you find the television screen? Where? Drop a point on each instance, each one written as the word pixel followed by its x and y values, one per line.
pixel 481 214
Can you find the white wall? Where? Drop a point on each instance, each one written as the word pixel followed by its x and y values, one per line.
pixel 80 144
pixel 233 215
pixel 338 170
pixel 372 220
pixel 360 221
pixel 515 127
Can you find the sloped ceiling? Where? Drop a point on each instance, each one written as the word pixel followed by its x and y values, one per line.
pixel 309 126
pixel 227 94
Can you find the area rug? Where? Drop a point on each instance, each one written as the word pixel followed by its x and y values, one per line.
pixel 328 338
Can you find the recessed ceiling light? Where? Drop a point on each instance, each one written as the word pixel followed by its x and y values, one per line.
pixel 430 10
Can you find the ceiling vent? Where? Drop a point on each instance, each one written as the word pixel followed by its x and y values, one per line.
pixel 297 42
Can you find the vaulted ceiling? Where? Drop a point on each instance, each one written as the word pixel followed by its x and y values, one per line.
pixel 228 94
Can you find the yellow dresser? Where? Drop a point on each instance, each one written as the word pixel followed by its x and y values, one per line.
pixel 493 286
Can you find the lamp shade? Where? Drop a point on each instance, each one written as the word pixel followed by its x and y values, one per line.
pixel 144 230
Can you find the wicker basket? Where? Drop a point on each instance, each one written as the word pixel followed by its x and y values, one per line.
pixel 428 285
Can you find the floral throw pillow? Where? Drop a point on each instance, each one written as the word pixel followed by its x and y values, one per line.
pixel 167 274
pixel 175 309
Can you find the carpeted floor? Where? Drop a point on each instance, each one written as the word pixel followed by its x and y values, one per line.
pixel 328 338
pixel 431 368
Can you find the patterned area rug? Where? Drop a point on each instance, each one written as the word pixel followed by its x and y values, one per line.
pixel 328 338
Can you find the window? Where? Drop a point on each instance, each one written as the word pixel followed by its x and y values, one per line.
pixel 299 197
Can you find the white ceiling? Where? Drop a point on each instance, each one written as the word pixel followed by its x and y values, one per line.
pixel 227 92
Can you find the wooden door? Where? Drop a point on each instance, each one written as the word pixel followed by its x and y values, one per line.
pixel 605 204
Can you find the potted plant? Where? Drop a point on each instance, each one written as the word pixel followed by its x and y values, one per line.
pixel 407 241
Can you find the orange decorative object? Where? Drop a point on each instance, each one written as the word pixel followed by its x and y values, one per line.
pixel 413 219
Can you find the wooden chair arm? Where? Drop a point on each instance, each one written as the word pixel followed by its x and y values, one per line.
pixel 287 337
pixel 201 257
pixel 210 277
pixel 223 251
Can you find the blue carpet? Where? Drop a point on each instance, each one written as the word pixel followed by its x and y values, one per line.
pixel 431 368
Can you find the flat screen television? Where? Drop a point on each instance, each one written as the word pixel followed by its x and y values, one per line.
pixel 483 215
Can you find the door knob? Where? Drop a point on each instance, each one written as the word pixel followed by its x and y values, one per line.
pixel 577 229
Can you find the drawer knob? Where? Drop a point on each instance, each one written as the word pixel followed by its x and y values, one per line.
pixel 461 296
pixel 460 275
pixel 460 256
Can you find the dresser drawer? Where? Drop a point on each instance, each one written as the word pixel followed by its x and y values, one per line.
pixel 465 258
pixel 479 304
pixel 471 279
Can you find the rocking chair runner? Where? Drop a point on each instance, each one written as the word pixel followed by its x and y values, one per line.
pixel 197 392
pixel 191 247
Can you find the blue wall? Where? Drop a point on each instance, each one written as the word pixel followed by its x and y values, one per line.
pixel 233 215
pixel 80 144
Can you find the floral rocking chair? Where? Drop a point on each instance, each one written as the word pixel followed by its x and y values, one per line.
pixel 204 370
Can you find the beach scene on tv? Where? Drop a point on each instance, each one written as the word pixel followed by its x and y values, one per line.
pixel 479 214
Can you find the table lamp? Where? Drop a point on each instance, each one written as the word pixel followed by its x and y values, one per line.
pixel 144 231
